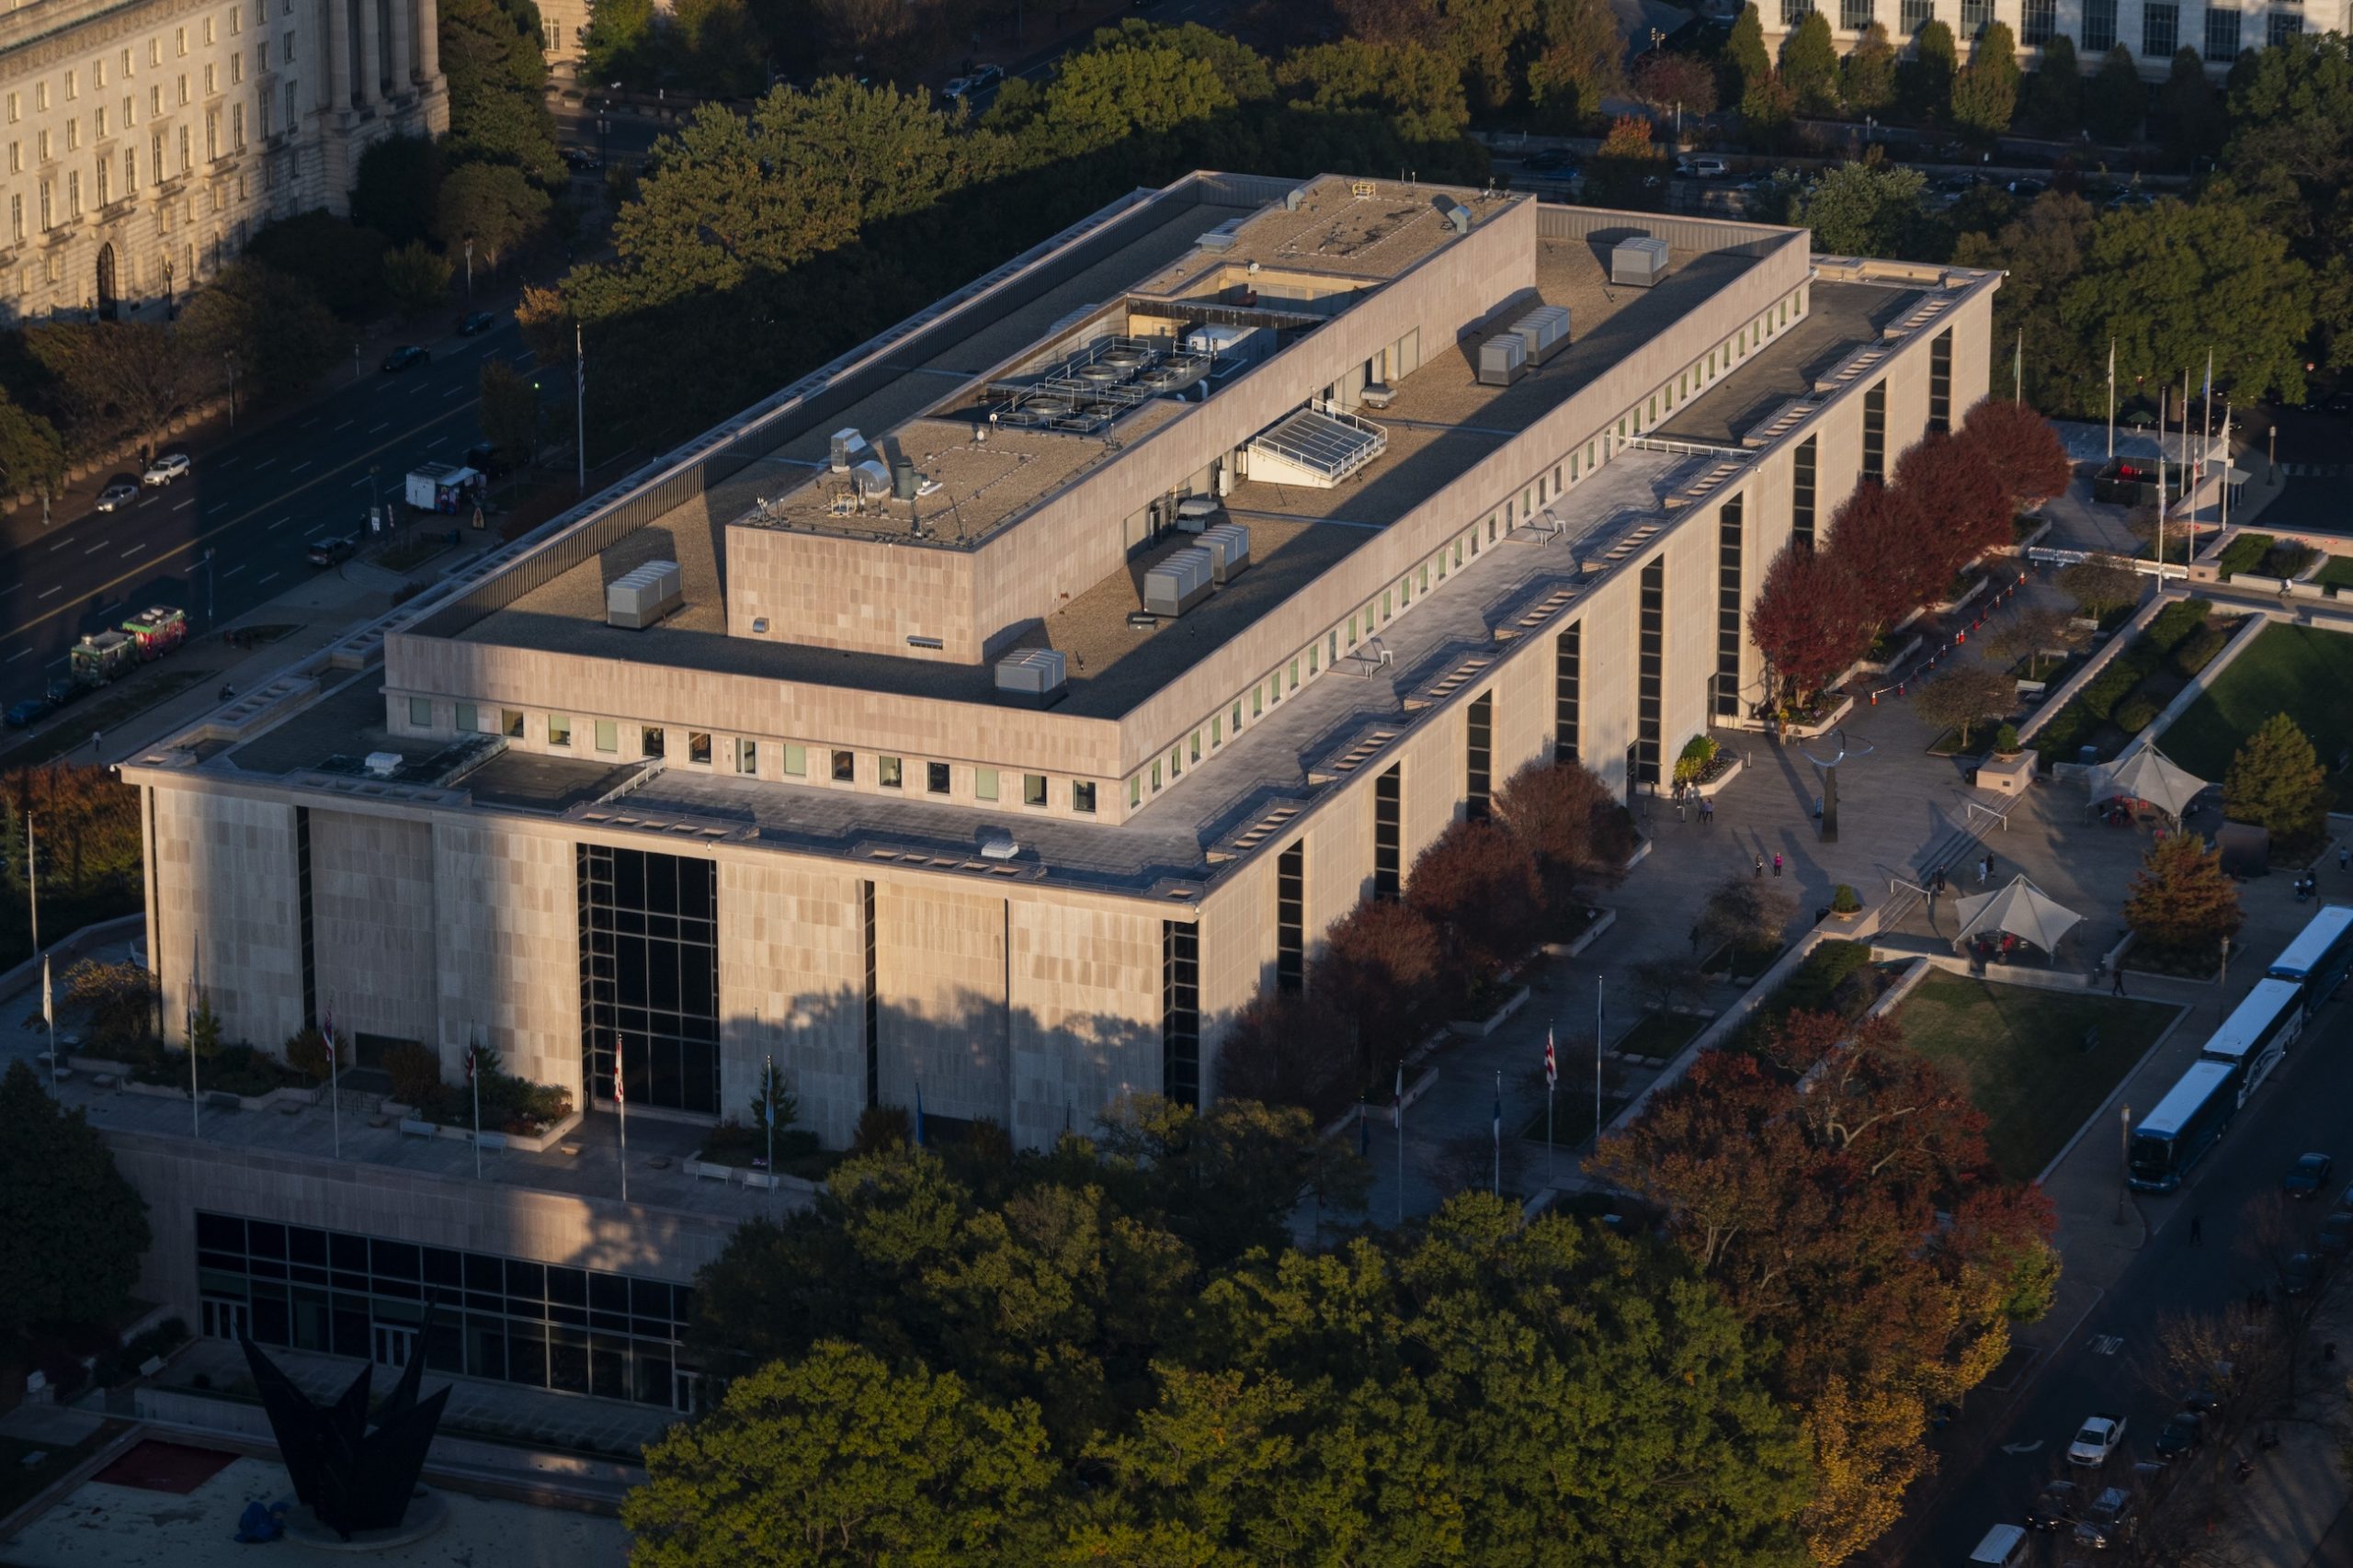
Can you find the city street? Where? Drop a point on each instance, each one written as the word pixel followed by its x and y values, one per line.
pixel 253 503
pixel 2315 453
pixel 2104 1363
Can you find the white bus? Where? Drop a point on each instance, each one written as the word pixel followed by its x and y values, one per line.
pixel 2258 1032
pixel 2320 954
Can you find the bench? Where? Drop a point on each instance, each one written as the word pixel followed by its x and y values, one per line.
pixel 412 1128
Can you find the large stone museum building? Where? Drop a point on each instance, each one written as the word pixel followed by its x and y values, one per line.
pixel 995 712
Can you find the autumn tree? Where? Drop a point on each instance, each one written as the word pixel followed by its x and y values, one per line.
pixel 1284 1050
pixel 1808 621
pixel 1668 82
pixel 1744 913
pixel 2019 448
pixel 1571 822
pixel 122 999
pixel 2026 634
pixel 1879 538
pixel 1378 976
pixel 1627 157
pixel 1957 503
pixel 1835 1185
pixel 1476 885
pixel 2276 782
pixel 2181 901
pixel 2099 583
pixel 1967 695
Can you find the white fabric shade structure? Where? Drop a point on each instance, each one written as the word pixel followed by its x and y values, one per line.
pixel 2146 775
pixel 2021 909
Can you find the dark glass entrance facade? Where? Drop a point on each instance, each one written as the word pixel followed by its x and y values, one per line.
pixel 649 976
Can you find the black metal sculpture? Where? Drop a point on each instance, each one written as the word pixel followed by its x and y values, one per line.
pixel 349 1477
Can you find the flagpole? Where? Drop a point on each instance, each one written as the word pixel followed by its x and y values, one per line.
pixel 2161 512
pixel 32 889
pixel 2017 370
pixel 620 1105
pixel 1596 1062
pixel 1498 1126
pixel 1551 1084
pixel 1401 1142
pixel 473 1081
pixel 195 1096
pixel 334 1082
pixel 2224 521
pixel 767 1095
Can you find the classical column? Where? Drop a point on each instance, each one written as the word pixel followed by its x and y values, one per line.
pixel 429 39
pixel 402 60
pixel 337 45
pixel 371 53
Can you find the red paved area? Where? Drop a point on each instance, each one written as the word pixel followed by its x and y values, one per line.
pixel 165 1467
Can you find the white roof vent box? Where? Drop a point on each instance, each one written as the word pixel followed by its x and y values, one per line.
pixel 382 764
pixel 1033 677
pixel 637 600
pixel 1000 846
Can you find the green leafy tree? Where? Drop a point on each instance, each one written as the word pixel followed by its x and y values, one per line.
pixel 1867 77
pixel 280 336
pixel 71 1227
pixel 2042 248
pixel 2276 782
pixel 510 411
pixel 121 998
pixel 1863 209
pixel 1810 65
pixel 2055 97
pixel 2099 583
pixel 1418 91
pixel 32 454
pixel 2115 101
pixel 838 1457
pixel 342 263
pixel 1985 94
pixel 399 183
pixel 2170 282
pixel 1967 698
pixel 119 379
pixel 620 43
pixel 1747 62
pixel 492 204
pixel 2291 146
pixel 1927 78
pixel 2181 899
pixel 498 110
pixel 1579 53
pixel 717 47
pixel 418 276
pixel 2190 113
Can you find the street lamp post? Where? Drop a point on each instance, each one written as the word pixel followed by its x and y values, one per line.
pixel 355 361
pixel 469 269
pixel 230 360
pixel 2124 1149
pixel 375 502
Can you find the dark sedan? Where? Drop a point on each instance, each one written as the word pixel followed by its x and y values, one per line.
pixel 477 323
pixel 407 357
pixel 2056 1508
pixel 2307 1176
pixel 30 712
pixel 2184 1435
pixel 332 552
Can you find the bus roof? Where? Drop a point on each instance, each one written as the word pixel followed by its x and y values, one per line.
pixel 2322 933
pixel 2193 1089
pixel 2251 1018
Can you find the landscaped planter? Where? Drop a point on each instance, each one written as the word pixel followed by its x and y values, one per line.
pixel 1946 607
pixel 1603 919
pixel 1726 768
pixel 1641 851
pixel 1480 1029
pixel 280 1096
pixel 1896 655
pixel 1821 726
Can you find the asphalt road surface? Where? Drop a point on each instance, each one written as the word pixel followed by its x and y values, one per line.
pixel 2104 1367
pixel 2316 452
pixel 254 501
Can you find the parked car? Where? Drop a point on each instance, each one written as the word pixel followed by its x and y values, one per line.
pixel 982 78
pixel 2183 1435
pixel 1557 161
pixel 478 322
pixel 1702 168
pixel 120 492
pixel 2307 1176
pixel 2341 404
pixel 2029 188
pixel 25 714
pixel 2109 1521
pixel 332 552
pixel 407 358
pixel 2299 1274
pixel 2131 196
pixel 2056 1508
pixel 166 468
pixel 2335 1236
pixel 485 458
pixel 2096 1439
pixel 581 161
pixel 63 690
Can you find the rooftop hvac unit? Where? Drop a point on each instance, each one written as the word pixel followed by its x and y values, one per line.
pixel 1246 344
pixel 848 448
pixel 1503 359
pixel 1294 198
pixel 1195 512
pixel 1377 394
pixel 999 848
pixel 1228 548
pixel 1223 236
pixel 382 764
pixel 1181 580
pixel 1544 329
pixel 904 479
pixel 1639 262
pixel 874 481
pixel 636 599
pixel 1031 675
pixel 1457 217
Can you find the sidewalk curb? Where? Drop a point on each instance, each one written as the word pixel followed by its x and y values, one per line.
pixel 2182 1010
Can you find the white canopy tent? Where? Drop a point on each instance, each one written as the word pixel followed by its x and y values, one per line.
pixel 2021 909
pixel 2146 775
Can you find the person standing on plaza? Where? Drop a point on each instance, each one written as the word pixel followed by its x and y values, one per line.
pixel 1777 862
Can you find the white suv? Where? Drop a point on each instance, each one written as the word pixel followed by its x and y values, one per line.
pixel 166 468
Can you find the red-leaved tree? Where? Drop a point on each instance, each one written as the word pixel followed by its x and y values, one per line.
pixel 1810 620
pixel 1956 499
pixel 2024 453
pixel 1377 975
pixel 1878 537
pixel 1571 822
pixel 1477 884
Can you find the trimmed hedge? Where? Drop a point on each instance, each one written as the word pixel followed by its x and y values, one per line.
pixel 2243 553
pixel 1817 986
pixel 2170 626
pixel 2135 715
pixel 2200 651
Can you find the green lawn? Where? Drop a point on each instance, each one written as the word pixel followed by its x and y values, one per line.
pixel 2337 573
pixel 2021 1052
pixel 2304 672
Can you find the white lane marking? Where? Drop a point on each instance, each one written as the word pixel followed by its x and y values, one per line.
pixel 271 578
pixel 46 592
pixel 263 464
pixel 234 570
pixel 134 549
pixel 300 466
pixel 222 462
pixel 185 505
pixel 437 442
pixel 96 548
pixel 385 425
pixel 345 426
pixel 359 484
pixel 452 392
pixel 277 525
pixel 307 423
pixel 18 654
pixel 61 544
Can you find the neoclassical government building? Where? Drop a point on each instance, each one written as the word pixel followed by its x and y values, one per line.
pixel 147 141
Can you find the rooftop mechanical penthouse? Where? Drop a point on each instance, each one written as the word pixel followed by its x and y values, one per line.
pixel 1001 707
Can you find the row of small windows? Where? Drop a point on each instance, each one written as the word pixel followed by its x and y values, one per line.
pixel 1365 622
pixel 838 764
pixel 126 61
pixel 2039 23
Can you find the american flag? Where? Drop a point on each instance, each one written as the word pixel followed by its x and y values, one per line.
pixel 619 1097
pixel 1551 1063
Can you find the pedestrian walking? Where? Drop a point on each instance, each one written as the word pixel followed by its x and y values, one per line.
pixel 1939 882
pixel 1707 811
pixel 2197 1230
pixel 2116 981
pixel 1777 862
pixel 1678 804
pixel 2344 857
